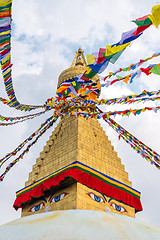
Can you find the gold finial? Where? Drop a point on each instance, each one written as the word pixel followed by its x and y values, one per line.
pixel 79 59
pixel 80 51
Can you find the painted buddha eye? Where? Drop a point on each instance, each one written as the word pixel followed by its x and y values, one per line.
pixel 58 198
pixel 37 207
pixel 95 197
pixel 118 208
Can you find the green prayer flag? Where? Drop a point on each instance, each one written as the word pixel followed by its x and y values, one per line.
pixel 113 57
pixel 155 69
pixel 90 75
pixel 125 69
pixel 145 22
pixel 119 77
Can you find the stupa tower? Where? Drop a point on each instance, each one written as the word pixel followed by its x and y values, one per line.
pixel 78 168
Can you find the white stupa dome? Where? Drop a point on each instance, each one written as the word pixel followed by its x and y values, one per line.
pixel 78 225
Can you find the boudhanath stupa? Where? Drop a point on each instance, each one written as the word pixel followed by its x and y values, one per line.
pixel 78 187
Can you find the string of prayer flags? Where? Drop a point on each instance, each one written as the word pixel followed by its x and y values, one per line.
pixel 142 149
pixel 132 66
pixel 90 87
pixel 109 114
pixel 43 130
pixel 129 111
pixel 81 102
pixel 154 68
pixel 12 123
pixel 22 107
pixel 143 97
pixel 5 48
pixel 112 52
pixel 5 57
pixel 27 117
pixel 15 151
pixel 98 62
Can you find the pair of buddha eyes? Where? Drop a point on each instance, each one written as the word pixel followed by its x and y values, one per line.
pixel 51 200
pixel 100 199
pixel 91 195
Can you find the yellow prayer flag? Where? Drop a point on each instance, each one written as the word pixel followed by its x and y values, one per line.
pixel 7 71
pixel 7 32
pixel 61 88
pixel 5 2
pixel 88 70
pixel 7 58
pixel 108 115
pixel 74 83
pixel 112 50
pixel 155 16
pixel 90 59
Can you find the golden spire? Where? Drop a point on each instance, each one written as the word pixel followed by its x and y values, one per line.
pixel 79 59
pixel 77 67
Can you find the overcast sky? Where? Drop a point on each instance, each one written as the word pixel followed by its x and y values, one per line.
pixel 45 36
